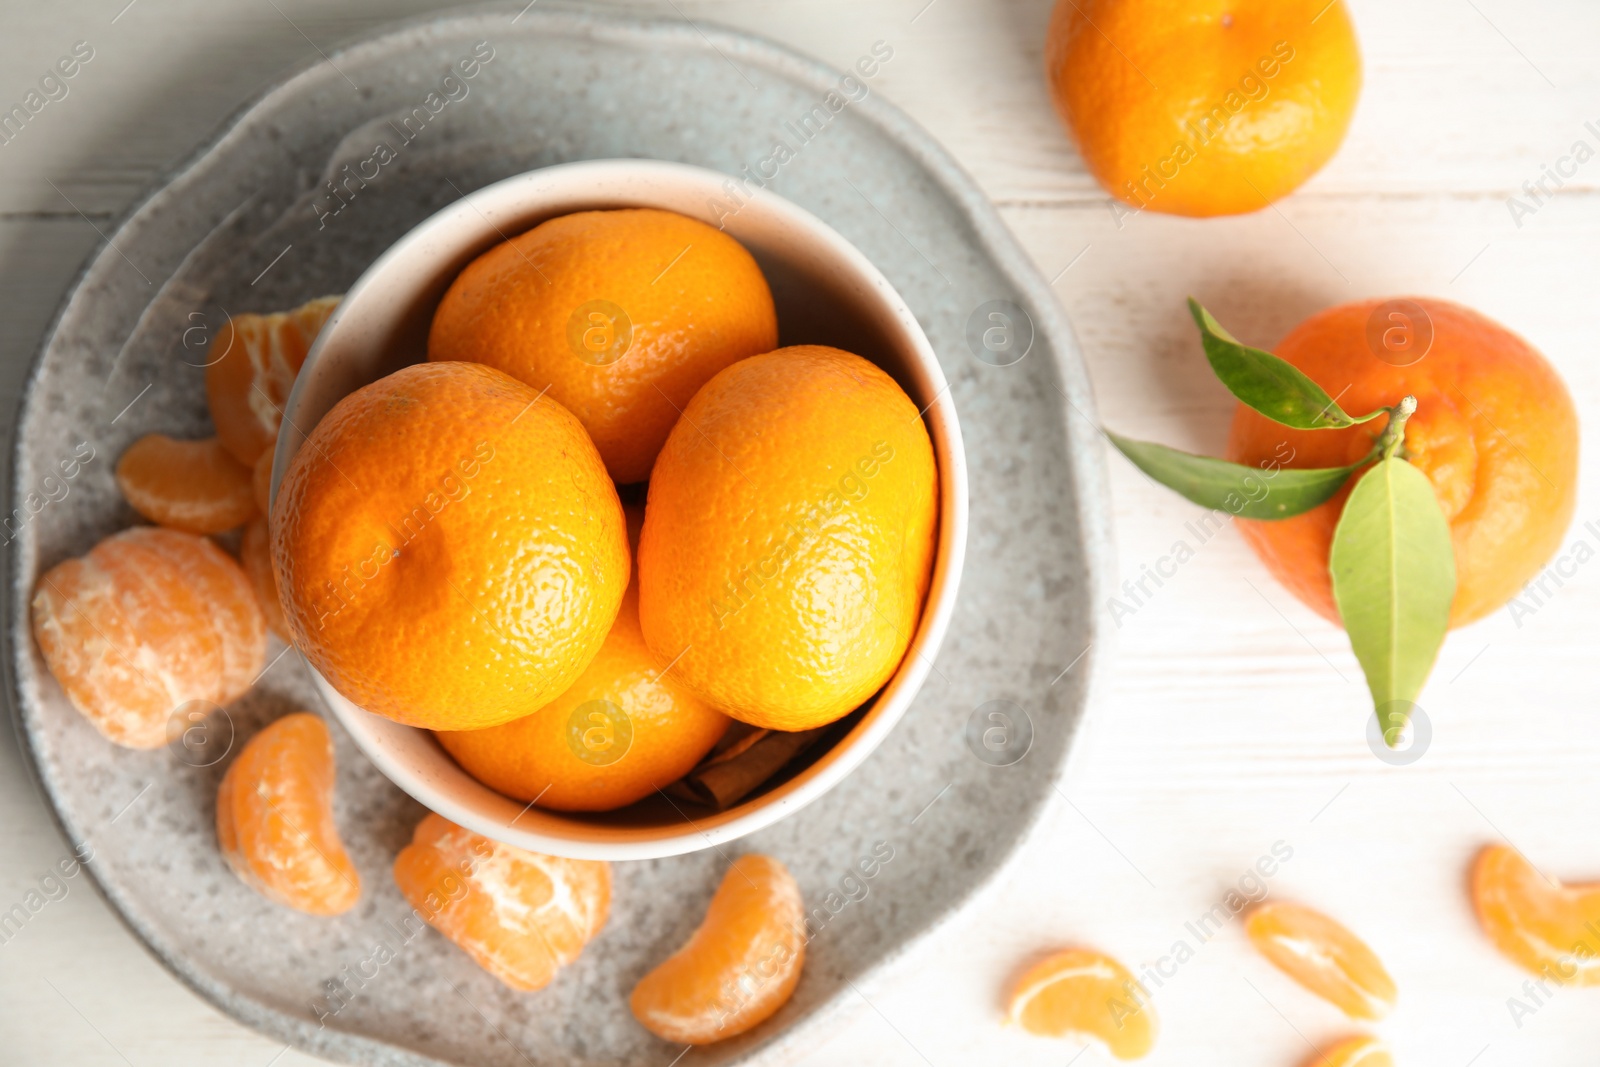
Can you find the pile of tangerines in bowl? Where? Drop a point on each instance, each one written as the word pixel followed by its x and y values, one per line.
pixel 467 546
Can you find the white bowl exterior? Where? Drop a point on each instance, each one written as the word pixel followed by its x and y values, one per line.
pixel 357 346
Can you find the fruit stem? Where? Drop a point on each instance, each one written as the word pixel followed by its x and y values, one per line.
pixel 1394 434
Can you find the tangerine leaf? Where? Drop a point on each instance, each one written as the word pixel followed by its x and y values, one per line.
pixel 1274 387
pixel 1248 492
pixel 1394 578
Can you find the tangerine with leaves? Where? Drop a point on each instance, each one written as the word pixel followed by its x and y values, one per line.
pixel 520 915
pixel 1204 108
pixel 739 967
pixel 1085 994
pixel 622 315
pixel 149 620
pixel 448 548
pixel 275 821
pixel 1431 506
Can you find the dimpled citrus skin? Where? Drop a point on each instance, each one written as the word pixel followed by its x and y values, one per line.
pixel 520 915
pixel 449 550
pixel 739 967
pixel 251 366
pixel 147 621
pixel 536 756
pixel 1258 92
pixel 188 485
pixel 789 537
pixel 696 300
pixel 275 819
pixel 1495 431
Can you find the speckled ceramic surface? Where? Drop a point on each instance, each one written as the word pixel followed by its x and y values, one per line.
pixel 251 224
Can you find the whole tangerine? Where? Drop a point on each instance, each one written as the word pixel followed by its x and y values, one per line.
pixel 449 550
pixel 1495 431
pixel 788 537
pixel 1211 108
pixel 621 314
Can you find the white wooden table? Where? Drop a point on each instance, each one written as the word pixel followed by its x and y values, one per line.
pixel 1231 718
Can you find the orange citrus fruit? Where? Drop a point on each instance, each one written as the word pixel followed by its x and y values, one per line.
pixel 188 485
pixel 1495 431
pixel 739 967
pixel 1324 957
pixel 1354 1052
pixel 255 554
pixel 1209 108
pixel 1549 928
pixel 789 537
pixel 520 915
pixel 252 366
pixel 622 315
pixel 623 730
pixel 1089 995
pixel 148 621
pixel 275 819
pixel 449 550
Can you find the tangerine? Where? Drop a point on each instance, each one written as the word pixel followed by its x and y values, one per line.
pixel 187 485
pixel 622 315
pixel 253 364
pixel 1495 431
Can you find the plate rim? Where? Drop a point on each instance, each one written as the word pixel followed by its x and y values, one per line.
pixel 1084 455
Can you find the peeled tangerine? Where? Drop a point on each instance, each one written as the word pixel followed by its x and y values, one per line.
pixel 1551 929
pixel 789 537
pixel 739 967
pixel 520 915
pixel 1324 957
pixel 275 819
pixel 1087 994
pixel 188 485
pixel 145 623
pixel 251 368
pixel 1354 1052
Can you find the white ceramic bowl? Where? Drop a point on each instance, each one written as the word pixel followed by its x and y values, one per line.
pixel 826 293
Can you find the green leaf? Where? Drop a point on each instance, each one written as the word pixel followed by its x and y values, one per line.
pixel 1394 577
pixel 1272 386
pixel 1249 492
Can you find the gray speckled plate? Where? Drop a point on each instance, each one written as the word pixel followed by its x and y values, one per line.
pixel 255 223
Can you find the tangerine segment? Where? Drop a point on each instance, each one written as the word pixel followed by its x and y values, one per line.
pixel 622 315
pixel 255 553
pixel 1089 995
pixel 1495 431
pixel 1324 957
pixel 520 915
pixel 739 967
pixel 253 363
pixel 1549 928
pixel 623 730
pixel 188 485
pixel 788 537
pixel 146 622
pixel 1354 1052
pixel 449 550
pixel 275 819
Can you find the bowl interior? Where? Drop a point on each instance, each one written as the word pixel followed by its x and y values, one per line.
pixel 826 292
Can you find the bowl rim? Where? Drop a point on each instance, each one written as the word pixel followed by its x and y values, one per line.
pixel 615 183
